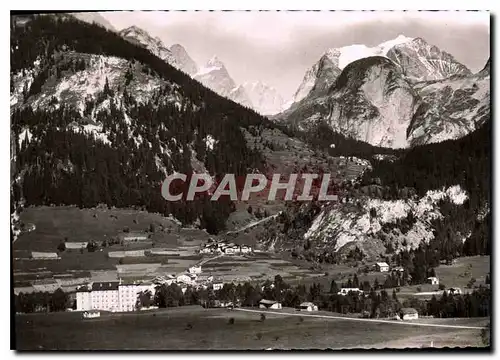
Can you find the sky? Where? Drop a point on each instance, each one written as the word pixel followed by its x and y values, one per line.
pixel 277 47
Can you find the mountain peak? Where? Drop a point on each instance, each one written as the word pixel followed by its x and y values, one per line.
pixel 215 62
pixel 134 29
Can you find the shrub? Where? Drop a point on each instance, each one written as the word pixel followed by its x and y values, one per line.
pixel 471 282
pixel 231 321
pixel 61 247
pixel 126 229
pixel 262 317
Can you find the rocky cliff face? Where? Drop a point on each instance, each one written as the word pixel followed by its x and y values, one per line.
pixel 265 99
pixel 413 94
pixel 421 61
pixel 182 60
pixel 450 109
pixel 215 76
pixel 372 102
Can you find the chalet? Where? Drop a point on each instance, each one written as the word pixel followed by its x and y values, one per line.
pixel 345 291
pixel 269 304
pixel 195 269
pixel 244 249
pixel 408 314
pixel 382 267
pixel 433 280
pixel 231 250
pixel 307 306
pixel 186 278
pixel 217 285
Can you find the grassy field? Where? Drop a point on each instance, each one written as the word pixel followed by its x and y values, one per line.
pixel 186 329
pixel 54 224
pixel 258 266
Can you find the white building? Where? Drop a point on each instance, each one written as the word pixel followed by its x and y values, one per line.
pixel 195 269
pixel 128 294
pixel 345 291
pixel 308 306
pixel 110 296
pixel 187 278
pixel 217 285
pixel 76 245
pixel 134 237
pixel 104 296
pixel 409 314
pixel 382 266
pixel 245 249
pixel 433 280
pixel 269 304
pixel 83 300
pixel 230 250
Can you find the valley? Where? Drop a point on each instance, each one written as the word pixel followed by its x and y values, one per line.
pixel 100 117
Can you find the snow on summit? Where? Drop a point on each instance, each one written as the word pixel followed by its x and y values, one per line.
pixel 345 55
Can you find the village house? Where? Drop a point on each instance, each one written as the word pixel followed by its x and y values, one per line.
pixel 187 278
pixel 433 280
pixel 408 314
pixel 382 267
pixel 244 249
pixel 269 304
pixel 307 306
pixel 345 291
pixel 195 269
pixel 217 285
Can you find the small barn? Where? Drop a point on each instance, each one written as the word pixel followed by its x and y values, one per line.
pixel 269 304
pixel 408 314
pixel 307 306
pixel 195 269
pixel 433 280
pixel 382 267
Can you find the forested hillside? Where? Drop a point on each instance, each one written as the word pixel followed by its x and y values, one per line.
pixel 142 119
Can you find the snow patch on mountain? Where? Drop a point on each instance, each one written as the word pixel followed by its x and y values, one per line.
pixel 345 55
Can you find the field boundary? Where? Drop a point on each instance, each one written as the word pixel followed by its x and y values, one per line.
pixel 365 320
